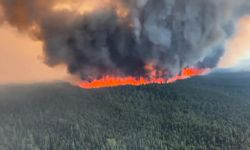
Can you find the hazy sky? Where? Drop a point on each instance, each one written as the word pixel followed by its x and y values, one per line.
pixel 238 48
pixel 21 59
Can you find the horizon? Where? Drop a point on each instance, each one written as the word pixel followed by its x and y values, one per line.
pixel 23 57
pixel 124 74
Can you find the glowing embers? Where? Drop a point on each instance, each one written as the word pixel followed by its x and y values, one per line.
pixel 112 81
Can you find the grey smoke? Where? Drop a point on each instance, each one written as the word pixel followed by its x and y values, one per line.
pixel 171 34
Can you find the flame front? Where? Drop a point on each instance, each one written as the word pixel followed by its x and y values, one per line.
pixel 113 81
pixel 188 73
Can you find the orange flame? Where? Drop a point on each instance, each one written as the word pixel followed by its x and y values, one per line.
pixel 112 81
pixel 188 73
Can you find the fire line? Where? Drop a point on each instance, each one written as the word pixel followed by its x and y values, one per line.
pixel 112 81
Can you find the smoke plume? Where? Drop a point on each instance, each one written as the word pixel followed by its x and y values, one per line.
pixel 94 38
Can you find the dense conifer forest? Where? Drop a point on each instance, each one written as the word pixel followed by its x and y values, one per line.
pixel 210 112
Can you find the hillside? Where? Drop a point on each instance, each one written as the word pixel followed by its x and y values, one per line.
pixel 209 112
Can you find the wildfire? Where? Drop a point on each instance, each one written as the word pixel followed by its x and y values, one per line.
pixel 112 81
pixel 188 73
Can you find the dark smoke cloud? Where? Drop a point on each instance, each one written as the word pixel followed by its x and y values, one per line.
pixel 212 59
pixel 170 34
